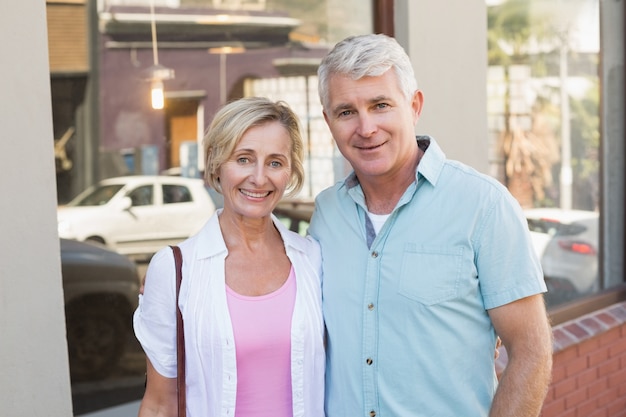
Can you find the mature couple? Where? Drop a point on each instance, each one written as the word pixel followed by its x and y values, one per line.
pixel 418 263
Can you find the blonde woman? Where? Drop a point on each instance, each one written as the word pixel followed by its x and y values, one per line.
pixel 250 295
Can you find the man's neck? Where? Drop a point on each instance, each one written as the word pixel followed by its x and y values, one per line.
pixel 382 194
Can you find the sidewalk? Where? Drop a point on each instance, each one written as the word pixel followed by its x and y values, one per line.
pixel 124 410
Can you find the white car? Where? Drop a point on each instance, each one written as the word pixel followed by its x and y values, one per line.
pixel 566 241
pixel 137 215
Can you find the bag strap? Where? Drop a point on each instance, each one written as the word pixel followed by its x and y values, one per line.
pixel 180 336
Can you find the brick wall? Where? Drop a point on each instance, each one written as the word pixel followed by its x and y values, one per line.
pixel 589 371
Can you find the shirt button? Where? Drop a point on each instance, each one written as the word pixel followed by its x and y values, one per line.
pixel 370 306
pixel 369 361
pixel 372 413
pixel 374 254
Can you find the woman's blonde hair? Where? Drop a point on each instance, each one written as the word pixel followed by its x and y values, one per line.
pixel 234 119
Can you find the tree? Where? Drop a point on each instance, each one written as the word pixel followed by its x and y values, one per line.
pixel 515 30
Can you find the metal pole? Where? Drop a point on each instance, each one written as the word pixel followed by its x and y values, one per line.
pixel 155 53
pixel 222 78
pixel 566 148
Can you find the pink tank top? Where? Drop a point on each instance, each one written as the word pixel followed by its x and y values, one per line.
pixel 262 330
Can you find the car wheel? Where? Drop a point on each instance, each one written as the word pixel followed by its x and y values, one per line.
pixel 95 239
pixel 96 337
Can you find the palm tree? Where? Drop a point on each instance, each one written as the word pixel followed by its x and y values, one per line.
pixel 529 153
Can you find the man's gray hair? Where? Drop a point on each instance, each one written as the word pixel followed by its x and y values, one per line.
pixel 366 56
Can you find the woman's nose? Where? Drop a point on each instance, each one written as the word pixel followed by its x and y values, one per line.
pixel 258 175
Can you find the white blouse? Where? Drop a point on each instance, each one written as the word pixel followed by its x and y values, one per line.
pixel 211 371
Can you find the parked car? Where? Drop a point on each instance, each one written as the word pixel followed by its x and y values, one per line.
pixel 137 215
pixel 101 290
pixel 566 241
pixel 295 214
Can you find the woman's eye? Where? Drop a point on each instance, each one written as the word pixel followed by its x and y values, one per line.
pixel 276 164
pixel 242 160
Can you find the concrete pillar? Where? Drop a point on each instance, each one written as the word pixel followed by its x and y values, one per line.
pixel 34 380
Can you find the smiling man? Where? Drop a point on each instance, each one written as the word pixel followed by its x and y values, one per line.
pixel 425 260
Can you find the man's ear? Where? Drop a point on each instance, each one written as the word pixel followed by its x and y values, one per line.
pixel 417 103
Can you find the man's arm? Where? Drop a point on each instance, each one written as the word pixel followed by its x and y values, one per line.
pixel 527 336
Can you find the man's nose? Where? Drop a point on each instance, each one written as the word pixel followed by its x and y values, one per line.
pixel 367 125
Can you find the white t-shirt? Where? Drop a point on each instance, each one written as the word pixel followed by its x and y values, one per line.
pixel 378 220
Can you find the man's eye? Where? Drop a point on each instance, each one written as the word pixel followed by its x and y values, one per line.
pixel 382 105
pixel 345 113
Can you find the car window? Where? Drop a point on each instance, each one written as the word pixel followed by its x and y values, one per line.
pixel 554 227
pixel 543 226
pixel 99 196
pixel 570 229
pixel 141 196
pixel 175 194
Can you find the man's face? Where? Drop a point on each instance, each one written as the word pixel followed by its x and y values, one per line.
pixel 373 123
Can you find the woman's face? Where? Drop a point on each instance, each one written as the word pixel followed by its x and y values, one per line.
pixel 255 176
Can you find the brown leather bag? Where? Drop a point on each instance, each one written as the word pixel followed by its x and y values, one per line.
pixel 180 337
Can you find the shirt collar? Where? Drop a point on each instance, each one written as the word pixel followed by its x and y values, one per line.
pixel 432 161
pixel 211 243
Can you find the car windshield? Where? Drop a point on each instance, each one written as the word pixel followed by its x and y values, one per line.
pixel 97 196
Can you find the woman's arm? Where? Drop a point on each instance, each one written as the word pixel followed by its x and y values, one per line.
pixel 160 399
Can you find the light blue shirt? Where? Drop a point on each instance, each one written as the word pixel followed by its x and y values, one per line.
pixel 406 309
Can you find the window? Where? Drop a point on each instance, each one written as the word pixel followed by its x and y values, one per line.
pixel 544 68
pixel 544 95
pixel 175 194
pixel 272 43
pixel 142 196
pixel 98 196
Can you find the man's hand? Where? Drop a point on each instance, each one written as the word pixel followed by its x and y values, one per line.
pixel 143 284
pixel 498 344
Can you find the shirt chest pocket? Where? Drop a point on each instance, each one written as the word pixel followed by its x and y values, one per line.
pixel 430 275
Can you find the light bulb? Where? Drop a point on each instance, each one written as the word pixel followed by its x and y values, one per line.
pixel 158 98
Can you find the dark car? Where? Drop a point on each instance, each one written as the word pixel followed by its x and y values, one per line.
pixel 295 214
pixel 101 293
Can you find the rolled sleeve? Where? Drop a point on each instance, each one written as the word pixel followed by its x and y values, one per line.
pixel 154 320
